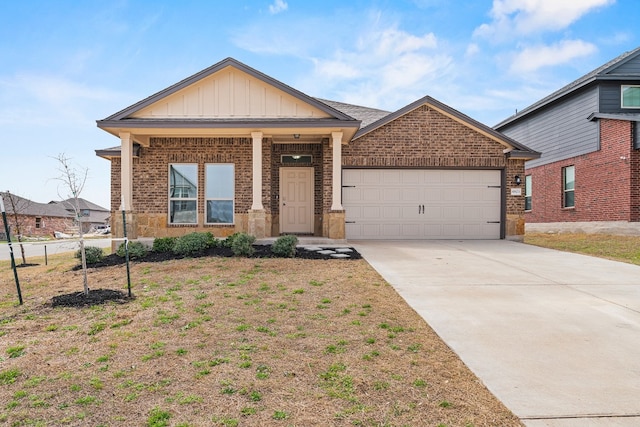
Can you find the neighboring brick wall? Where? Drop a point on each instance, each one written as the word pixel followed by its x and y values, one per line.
pixel 425 138
pixel 604 186
pixel 48 225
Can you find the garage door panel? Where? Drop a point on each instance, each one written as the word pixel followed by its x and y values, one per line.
pixel 388 204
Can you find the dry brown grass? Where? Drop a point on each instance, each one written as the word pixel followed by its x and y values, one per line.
pixel 618 248
pixel 226 342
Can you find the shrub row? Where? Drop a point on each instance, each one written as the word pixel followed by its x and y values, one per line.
pixel 241 244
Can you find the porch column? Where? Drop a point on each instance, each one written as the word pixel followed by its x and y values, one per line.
pixel 126 171
pixel 336 204
pixel 257 216
pixel 257 171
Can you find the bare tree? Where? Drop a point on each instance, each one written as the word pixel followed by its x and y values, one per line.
pixel 19 207
pixel 73 181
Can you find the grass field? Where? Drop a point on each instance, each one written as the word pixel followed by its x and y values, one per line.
pixel 229 342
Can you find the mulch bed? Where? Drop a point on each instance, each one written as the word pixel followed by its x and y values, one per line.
pixel 101 296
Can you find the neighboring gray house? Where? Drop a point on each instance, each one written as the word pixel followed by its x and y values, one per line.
pixel 92 216
pixel 588 176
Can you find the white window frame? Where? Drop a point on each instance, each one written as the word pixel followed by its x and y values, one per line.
pixel 182 199
pixel 622 88
pixel 232 198
pixel 528 181
pixel 564 187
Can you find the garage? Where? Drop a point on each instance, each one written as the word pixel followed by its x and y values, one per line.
pixel 422 203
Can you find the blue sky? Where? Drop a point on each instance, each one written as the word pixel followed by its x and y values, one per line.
pixel 66 64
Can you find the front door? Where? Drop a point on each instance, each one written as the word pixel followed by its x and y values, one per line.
pixel 296 200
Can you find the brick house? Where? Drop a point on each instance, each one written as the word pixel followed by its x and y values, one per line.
pixel 588 177
pixel 231 149
pixel 34 219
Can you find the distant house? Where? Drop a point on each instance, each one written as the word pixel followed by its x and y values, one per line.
pixel 231 149
pixel 92 216
pixel 588 176
pixel 35 219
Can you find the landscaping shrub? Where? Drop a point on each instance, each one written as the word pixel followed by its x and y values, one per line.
pixel 136 250
pixel 164 244
pixel 194 243
pixel 285 246
pixel 243 245
pixel 228 242
pixel 92 254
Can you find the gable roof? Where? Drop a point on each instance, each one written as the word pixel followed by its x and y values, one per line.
pixel 514 148
pixel 28 207
pixel 604 72
pixel 83 203
pixel 126 114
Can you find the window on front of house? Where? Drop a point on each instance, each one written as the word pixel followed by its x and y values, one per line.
pixel 219 193
pixel 39 222
pixel 183 194
pixel 527 193
pixel 630 96
pixel 568 186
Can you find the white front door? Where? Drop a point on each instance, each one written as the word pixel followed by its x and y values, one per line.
pixel 296 200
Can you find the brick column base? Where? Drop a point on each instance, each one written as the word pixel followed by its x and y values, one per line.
pixel 334 225
pixel 514 229
pixel 257 223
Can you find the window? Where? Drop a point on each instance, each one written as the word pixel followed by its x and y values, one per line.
pixel 630 96
pixel 85 212
pixel 220 189
pixel 527 193
pixel 568 186
pixel 183 194
pixel 39 223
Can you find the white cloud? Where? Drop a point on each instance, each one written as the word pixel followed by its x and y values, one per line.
pixel 386 68
pixel 530 16
pixel 278 6
pixel 533 58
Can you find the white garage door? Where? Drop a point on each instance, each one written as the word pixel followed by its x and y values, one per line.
pixel 421 204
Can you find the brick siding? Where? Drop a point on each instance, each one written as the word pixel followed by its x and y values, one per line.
pixel 606 181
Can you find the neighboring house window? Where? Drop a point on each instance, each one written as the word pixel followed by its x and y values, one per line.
pixel 219 193
pixel 85 212
pixel 630 96
pixel 39 223
pixel 527 193
pixel 183 194
pixel 568 186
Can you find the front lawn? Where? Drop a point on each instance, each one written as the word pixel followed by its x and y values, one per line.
pixel 218 341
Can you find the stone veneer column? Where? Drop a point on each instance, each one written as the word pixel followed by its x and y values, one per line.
pixel 257 216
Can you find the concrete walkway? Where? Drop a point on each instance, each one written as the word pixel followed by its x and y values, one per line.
pixel 555 336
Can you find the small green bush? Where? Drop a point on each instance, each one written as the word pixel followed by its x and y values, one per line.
pixel 92 254
pixel 243 245
pixel 164 244
pixel 228 242
pixel 194 243
pixel 136 250
pixel 285 246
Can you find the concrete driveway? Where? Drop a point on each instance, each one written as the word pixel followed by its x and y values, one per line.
pixel 555 336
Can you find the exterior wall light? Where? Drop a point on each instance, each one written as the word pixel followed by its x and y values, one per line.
pixel 517 179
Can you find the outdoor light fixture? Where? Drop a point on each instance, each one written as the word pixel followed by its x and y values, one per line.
pixel 517 179
pixel 296 135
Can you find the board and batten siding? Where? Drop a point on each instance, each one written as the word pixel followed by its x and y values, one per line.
pixel 560 131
